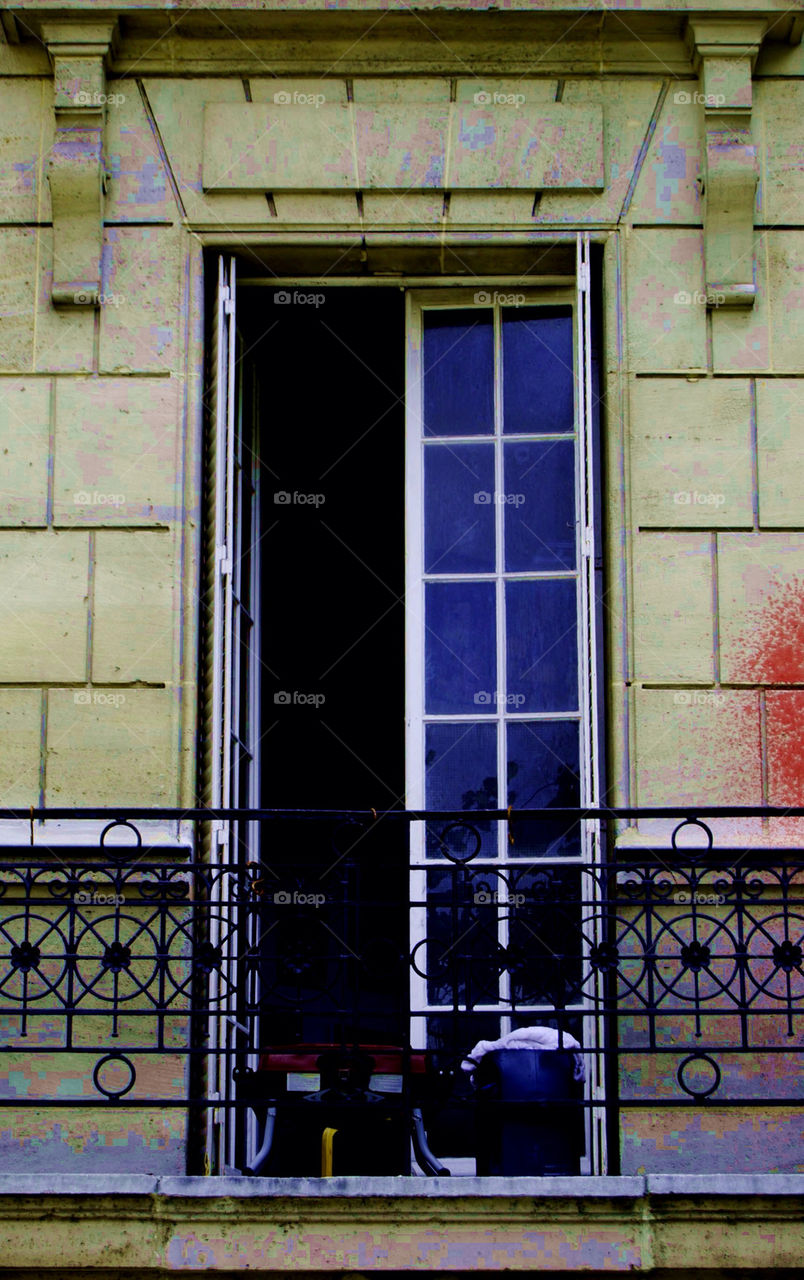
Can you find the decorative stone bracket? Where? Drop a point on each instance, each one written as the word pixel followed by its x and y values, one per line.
pixel 76 171
pixel 724 52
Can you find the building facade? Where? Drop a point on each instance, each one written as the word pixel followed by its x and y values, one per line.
pixel 401 563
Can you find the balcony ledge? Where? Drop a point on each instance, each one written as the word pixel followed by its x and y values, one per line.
pixel 65 1225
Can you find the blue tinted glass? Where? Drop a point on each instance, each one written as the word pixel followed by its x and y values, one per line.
pixel 458 373
pixel 540 506
pixel 459 508
pixel 461 773
pixel 460 648
pixel 542 646
pixel 537 369
pixel 543 773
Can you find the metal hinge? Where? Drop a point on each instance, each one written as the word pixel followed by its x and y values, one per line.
pixel 587 542
pixel 583 276
pixel 228 300
pixel 223 560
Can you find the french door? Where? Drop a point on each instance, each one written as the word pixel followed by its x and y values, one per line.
pixel 499 627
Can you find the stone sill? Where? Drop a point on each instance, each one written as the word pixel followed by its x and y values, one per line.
pixel 137 1227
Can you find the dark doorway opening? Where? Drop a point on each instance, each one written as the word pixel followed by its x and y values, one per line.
pixel 330 423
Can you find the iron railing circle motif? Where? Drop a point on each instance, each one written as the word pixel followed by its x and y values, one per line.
pixel 699 1094
pixel 101 1063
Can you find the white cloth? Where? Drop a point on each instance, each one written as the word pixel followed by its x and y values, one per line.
pixel 527 1038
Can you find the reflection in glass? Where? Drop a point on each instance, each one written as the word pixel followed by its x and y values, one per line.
pixel 540 506
pixel 542 645
pixel 459 508
pixel 458 372
pixel 460 648
pixel 544 773
pixel 461 773
pixel 537 369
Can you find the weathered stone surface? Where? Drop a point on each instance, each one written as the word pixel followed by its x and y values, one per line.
pixel 141 325
pixel 178 107
pixel 767 336
pixel 668 189
pixel 26 135
pixel 43 606
pixel 780 451
pixel 672 613
pixel 116 451
pixel 665 300
pixel 698 746
pixel 778 109
pixel 24 450
pixel 627 107
pixel 691 453
pixel 761 607
pixel 135 607
pixel 20 736
pixel 33 335
pixel 138 189
pixel 112 747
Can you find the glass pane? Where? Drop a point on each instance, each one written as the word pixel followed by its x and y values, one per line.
pixel 459 508
pixel 460 648
pixel 461 773
pixel 537 369
pixel 458 354
pixel 540 506
pixel 544 773
pixel 542 646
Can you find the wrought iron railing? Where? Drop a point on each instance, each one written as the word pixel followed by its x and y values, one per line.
pixel 677 969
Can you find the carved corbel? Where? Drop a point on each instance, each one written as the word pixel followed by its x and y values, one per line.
pixel 724 54
pixel 76 170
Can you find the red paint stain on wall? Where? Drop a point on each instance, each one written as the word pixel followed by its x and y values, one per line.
pixel 771 652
